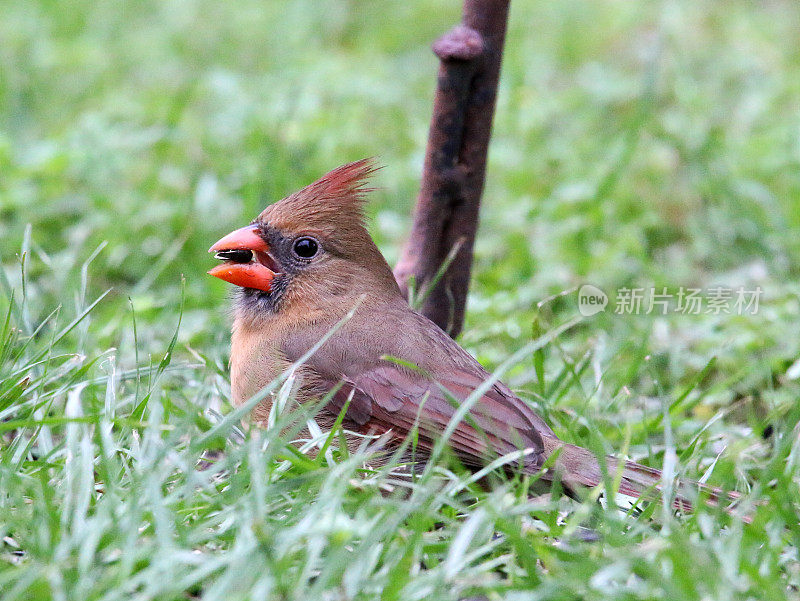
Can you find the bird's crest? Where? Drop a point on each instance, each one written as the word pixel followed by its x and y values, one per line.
pixel 332 203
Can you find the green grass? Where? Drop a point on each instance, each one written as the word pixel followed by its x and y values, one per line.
pixel 636 144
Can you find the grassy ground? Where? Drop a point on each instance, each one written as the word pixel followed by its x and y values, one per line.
pixel 636 144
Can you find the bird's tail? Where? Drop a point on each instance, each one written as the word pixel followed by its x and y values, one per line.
pixel 579 468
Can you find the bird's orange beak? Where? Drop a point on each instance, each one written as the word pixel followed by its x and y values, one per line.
pixel 252 267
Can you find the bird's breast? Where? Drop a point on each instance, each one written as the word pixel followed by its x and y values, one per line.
pixel 256 360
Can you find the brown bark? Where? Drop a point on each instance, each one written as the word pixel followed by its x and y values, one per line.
pixel 446 215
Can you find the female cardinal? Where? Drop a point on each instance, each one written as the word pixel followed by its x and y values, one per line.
pixel 302 265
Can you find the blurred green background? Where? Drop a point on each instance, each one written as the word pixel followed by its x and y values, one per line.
pixel 636 144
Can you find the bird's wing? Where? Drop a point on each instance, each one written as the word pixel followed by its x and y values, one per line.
pixel 390 397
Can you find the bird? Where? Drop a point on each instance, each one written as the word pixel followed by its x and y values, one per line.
pixel 300 269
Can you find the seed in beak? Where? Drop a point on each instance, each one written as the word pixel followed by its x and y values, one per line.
pixel 235 255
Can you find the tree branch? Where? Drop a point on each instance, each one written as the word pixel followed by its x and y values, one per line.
pixel 455 163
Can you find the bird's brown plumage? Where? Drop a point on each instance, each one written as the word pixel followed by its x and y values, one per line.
pixel 274 328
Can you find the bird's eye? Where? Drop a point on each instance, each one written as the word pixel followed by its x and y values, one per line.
pixel 305 248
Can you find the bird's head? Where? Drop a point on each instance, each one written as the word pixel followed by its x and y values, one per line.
pixel 308 250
